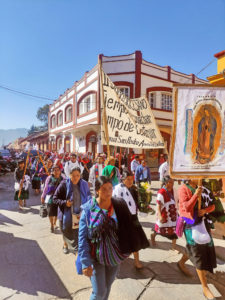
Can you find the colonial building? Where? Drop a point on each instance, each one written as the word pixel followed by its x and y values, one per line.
pixel 74 118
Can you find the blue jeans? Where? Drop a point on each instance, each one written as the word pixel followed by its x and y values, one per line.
pixel 102 279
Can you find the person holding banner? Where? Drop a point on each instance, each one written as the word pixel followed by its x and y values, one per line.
pixel 45 171
pixel 51 184
pixel 19 173
pixel 200 247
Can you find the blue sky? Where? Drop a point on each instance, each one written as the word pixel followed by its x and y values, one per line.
pixel 46 45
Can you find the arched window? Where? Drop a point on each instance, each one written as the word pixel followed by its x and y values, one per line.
pixel 86 104
pixel 126 87
pixel 59 118
pixel 53 123
pixel 125 90
pixel 68 113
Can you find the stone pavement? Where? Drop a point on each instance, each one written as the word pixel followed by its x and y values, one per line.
pixel 33 265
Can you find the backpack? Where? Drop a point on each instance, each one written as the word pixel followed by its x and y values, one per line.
pixel 104 241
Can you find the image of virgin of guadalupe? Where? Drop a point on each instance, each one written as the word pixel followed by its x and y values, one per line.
pixel 207 128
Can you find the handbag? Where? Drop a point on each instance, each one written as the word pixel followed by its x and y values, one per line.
pixel 200 234
pixel 43 211
pixel 180 226
pixel 106 244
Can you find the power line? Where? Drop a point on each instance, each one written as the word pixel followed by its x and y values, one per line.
pixel 26 94
pixel 206 66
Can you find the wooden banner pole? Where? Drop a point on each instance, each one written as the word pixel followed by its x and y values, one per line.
pixel 104 108
pixel 24 173
pixel 120 158
pixel 40 157
pixel 200 197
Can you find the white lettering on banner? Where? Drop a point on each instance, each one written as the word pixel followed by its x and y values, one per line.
pixel 130 122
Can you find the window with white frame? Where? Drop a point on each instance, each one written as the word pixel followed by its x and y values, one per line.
pixel 53 122
pixel 152 99
pixel 87 104
pixel 69 113
pixel 166 101
pixel 125 91
pixel 60 118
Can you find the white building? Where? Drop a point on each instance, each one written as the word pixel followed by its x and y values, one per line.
pixel 74 119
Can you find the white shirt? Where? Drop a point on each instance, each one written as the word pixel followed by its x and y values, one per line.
pixel 70 165
pixel 163 170
pixel 134 165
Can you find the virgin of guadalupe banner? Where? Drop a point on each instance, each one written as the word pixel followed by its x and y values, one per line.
pixel 127 122
pixel 198 141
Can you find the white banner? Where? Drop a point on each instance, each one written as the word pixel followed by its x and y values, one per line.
pixel 198 142
pixel 130 122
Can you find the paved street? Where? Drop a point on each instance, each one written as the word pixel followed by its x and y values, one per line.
pixel 33 265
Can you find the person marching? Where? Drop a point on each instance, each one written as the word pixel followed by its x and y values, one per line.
pixel 69 196
pixel 104 241
pixel 86 164
pixel 45 172
pixel 200 246
pixel 96 171
pixel 51 184
pixel 71 164
pixel 166 213
pixel 128 192
pixel 134 164
pixel 36 180
pixel 18 176
pixel 142 173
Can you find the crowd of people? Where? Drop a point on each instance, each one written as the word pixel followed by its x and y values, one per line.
pixel 96 203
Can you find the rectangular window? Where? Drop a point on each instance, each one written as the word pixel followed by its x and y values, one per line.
pixel 166 102
pixel 152 99
pixel 87 104
pixel 125 91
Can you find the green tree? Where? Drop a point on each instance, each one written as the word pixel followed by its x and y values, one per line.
pixel 42 114
pixel 32 129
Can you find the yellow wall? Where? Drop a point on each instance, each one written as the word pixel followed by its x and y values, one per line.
pixel 221 64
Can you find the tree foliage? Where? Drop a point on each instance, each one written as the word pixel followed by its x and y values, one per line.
pixel 42 114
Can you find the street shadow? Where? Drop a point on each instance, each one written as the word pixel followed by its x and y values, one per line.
pixel 167 246
pixel 162 271
pixel 5 220
pixel 26 269
pixel 148 225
